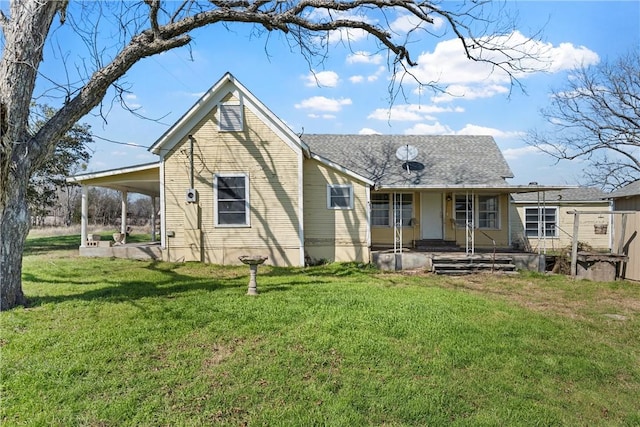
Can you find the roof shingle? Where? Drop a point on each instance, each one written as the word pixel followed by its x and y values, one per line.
pixel 441 160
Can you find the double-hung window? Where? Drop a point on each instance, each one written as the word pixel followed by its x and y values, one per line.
pixel 385 210
pixel 487 207
pixel 464 210
pixel 541 222
pixel 231 198
pixel 488 212
pixel 339 196
pixel 380 208
pixel 404 209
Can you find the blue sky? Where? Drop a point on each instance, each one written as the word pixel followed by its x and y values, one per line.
pixel 349 93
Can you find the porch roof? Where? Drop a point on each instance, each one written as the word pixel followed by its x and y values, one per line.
pixel 142 179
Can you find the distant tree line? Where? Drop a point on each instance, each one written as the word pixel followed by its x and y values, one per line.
pixel 64 208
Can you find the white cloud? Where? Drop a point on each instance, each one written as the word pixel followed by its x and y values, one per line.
pixel 447 64
pixel 356 79
pixel 322 79
pixel 411 112
pixel 368 131
pixel 321 116
pixel 373 77
pixel 427 129
pixel 516 153
pixel 470 129
pixel 364 57
pixel 321 103
pixel 438 128
pixel 455 92
pixel 130 96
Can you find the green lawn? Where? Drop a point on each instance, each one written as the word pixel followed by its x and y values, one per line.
pixel 117 342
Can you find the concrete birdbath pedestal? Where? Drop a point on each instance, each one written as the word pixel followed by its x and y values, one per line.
pixel 253 261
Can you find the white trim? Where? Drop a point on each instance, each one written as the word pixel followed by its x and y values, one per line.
pixel 502 188
pixel 247 204
pixel 367 196
pixel 163 207
pixel 332 186
pixel 227 84
pixel 112 172
pixel 301 261
pixel 498 214
pixel 556 234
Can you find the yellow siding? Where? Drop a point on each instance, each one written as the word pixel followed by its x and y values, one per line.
pixel 586 227
pixel 383 236
pixel 333 234
pixel 630 241
pixel 483 238
pixel 272 168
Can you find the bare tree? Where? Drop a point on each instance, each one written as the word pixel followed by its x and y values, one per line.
pixel 146 28
pixel 596 117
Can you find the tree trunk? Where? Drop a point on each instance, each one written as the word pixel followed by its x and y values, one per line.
pixel 14 227
pixel 24 35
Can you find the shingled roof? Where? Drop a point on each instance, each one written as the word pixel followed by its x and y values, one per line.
pixel 578 194
pixel 441 161
pixel 632 189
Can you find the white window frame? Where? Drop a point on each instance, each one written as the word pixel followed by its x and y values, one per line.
pixel 400 197
pixel 539 235
pixel 388 210
pixel 226 126
pixel 341 186
pixel 475 210
pixel 247 210
pixel 497 211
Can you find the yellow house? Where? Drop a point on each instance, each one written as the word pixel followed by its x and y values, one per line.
pixel 233 179
pixel 545 221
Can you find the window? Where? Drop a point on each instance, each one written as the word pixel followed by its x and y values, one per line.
pixel 339 196
pixel 404 209
pixel 380 207
pixel 230 117
pixel 464 210
pixel 231 198
pixel 540 222
pixel 488 212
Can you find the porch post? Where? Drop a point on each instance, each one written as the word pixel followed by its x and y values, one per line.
pixel 123 215
pixel 153 218
pixel 84 216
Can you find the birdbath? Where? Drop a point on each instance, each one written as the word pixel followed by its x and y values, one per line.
pixel 253 261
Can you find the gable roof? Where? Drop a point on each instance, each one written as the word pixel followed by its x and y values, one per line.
pixel 628 190
pixel 226 85
pixel 441 161
pixel 577 194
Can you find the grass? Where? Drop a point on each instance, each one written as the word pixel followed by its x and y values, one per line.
pixel 120 342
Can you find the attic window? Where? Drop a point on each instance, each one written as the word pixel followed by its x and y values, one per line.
pixel 230 117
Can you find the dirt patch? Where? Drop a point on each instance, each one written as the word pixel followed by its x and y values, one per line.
pixel 559 295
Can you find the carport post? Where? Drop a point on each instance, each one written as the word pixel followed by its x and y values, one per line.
pixel 123 217
pixel 153 218
pixel 84 216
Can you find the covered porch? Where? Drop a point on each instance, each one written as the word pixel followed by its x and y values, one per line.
pixel 140 179
pixel 452 218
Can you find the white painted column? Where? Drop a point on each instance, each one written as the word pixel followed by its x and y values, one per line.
pixel 153 218
pixel 84 216
pixel 123 217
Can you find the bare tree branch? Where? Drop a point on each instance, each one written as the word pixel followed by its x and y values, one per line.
pixel 596 117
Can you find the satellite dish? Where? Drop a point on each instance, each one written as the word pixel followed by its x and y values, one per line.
pixel 406 153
